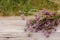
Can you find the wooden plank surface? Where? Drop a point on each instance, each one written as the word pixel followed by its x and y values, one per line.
pixel 13 30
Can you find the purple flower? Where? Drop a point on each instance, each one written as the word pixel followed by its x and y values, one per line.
pixel 30 29
pixel 35 26
pixel 48 22
pixel 45 12
pixel 58 21
pixel 37 17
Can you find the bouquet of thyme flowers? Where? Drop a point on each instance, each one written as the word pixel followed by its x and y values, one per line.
pixel 44 21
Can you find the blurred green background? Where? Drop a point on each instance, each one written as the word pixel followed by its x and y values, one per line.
pixel 18 7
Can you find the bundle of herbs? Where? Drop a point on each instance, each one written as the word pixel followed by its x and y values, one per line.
pixel 44 21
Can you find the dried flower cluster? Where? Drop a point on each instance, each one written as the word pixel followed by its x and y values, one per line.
pixel 44 21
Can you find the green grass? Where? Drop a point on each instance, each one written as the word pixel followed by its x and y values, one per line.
pixel 56 1
pixel 12 7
